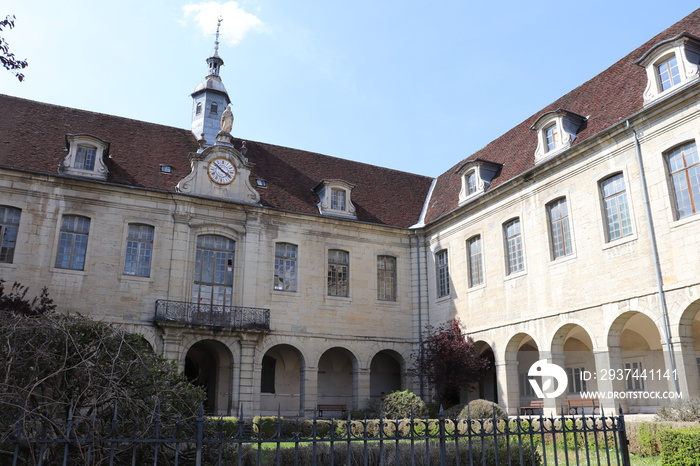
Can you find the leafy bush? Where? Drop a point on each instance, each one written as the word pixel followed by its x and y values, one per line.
pixel 483 409
pixel 401 404
pixel 686 410
pixel 680 447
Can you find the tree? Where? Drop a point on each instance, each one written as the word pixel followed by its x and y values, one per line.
pixel 7 58
pixel 449 361
pixel 53 366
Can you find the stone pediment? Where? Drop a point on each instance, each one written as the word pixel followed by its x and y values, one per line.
pixel 220 171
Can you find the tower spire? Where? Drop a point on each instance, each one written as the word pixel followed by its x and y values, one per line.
pixel 216 42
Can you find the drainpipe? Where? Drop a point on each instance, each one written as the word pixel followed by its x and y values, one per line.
pixel 657 262
pixel 420 312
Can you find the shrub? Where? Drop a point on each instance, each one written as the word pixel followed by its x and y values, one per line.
pixel 401 404
pixel 483 409
pixel 680 446
pixel 686 410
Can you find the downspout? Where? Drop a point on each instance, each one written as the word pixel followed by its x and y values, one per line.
pixel 420 313
pixel 657 262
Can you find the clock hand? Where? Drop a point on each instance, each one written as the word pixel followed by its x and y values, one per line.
pixel 226 173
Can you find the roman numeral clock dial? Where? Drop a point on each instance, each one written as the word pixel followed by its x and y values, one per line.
pixel 221 171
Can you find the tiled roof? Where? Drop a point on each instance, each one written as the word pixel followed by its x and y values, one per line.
pixel 32 137
pixel 607 99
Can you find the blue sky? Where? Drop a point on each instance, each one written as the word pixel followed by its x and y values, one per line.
pixel 410 85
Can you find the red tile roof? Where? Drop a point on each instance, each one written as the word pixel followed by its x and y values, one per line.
pixel 32 137
pixel 611 97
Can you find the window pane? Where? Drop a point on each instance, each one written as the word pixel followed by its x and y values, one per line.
pixel 213 276
pixel 443 274
pixel 475 265
pixel 72 244
pixel 85 158
pixel 617 213
pixel 514 247
pixel 139 249
pixel 550 136
pixel 669 75
pixel 9 226
pixel 285 267
pixel 337 199
pixel 386 278
pixel 685 175
pixel 338 270
pixel 559 229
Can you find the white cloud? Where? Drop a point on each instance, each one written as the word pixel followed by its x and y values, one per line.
pixel 235 25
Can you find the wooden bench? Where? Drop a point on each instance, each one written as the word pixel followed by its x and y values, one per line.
pixel 535 407
pixel 327 407
pixel 587 405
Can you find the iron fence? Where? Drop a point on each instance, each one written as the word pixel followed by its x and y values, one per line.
pixel 531 440
pixel 212 314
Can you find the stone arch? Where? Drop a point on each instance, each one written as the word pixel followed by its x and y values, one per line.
pixel 572 349
pixel 487 387
pixel 521 352
pixel 282 380
pixel 387 370
pixel 337 377
pixel 209 364
pixel 688 349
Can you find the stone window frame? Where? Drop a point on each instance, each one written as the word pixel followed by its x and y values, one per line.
pixel 328 203
pixel 475 262
pixel 73 240
pixel 685 49
pixel 229 256
pixel 568 125
pixel 686 171
pixel 476 176
pixel 338 277
pixel 442 273
pixel 138 254
pixel 386 277
pixel 615 207
pixel 560 227
pixel 10 218
pixel 286 268
pixel 513 247
pixel 71 163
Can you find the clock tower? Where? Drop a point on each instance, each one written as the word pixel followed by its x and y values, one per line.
pixel 209 100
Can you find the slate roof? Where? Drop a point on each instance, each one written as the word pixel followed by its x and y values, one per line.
pixel 32 137
pixel 607 99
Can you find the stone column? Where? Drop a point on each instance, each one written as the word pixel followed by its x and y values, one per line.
pixel 604 360
pixel 172 347
pixel 687 372
pixel 246 396
pixel 362 392
pixel 508 385
pixel 310 384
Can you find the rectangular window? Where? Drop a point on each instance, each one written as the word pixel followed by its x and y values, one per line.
pixel 668 73
pixel 9 225
pixel 285 267
pixel 475 262
pixel 551 133
pixel 574 376
pixel 85 158
pixel 337 199
pixel 617 211
pixel 559 227
pixel 634 376
pixel 684 168
pixel 139 249
pixel 514 247
pixel 443 274
pixel 386 278
pixel 213 273
pixel 338 273
pixel 471 182
pixel 72 244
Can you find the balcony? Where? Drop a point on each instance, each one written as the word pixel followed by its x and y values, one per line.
pixel 245 318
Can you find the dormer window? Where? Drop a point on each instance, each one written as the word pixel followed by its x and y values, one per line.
pixel 335 199
pixel 670 65
pixel 556 131
pixel 85 157
pixel 476 177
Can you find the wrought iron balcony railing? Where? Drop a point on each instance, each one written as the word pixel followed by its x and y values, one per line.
pixel 211 314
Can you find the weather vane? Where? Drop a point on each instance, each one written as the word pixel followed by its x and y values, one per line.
pixel 216 42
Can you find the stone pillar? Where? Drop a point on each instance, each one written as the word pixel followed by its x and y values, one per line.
pixel 508 385
pixel 362 392
pixel 310 386
pixel 246 396
pixel 172 347
pixel 687 372
pixel 605 360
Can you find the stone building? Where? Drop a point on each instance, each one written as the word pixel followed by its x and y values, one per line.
pixel 282 278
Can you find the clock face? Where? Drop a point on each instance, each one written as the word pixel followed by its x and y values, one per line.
pixel 221 171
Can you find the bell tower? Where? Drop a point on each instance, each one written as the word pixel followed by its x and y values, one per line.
pixel 209 99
